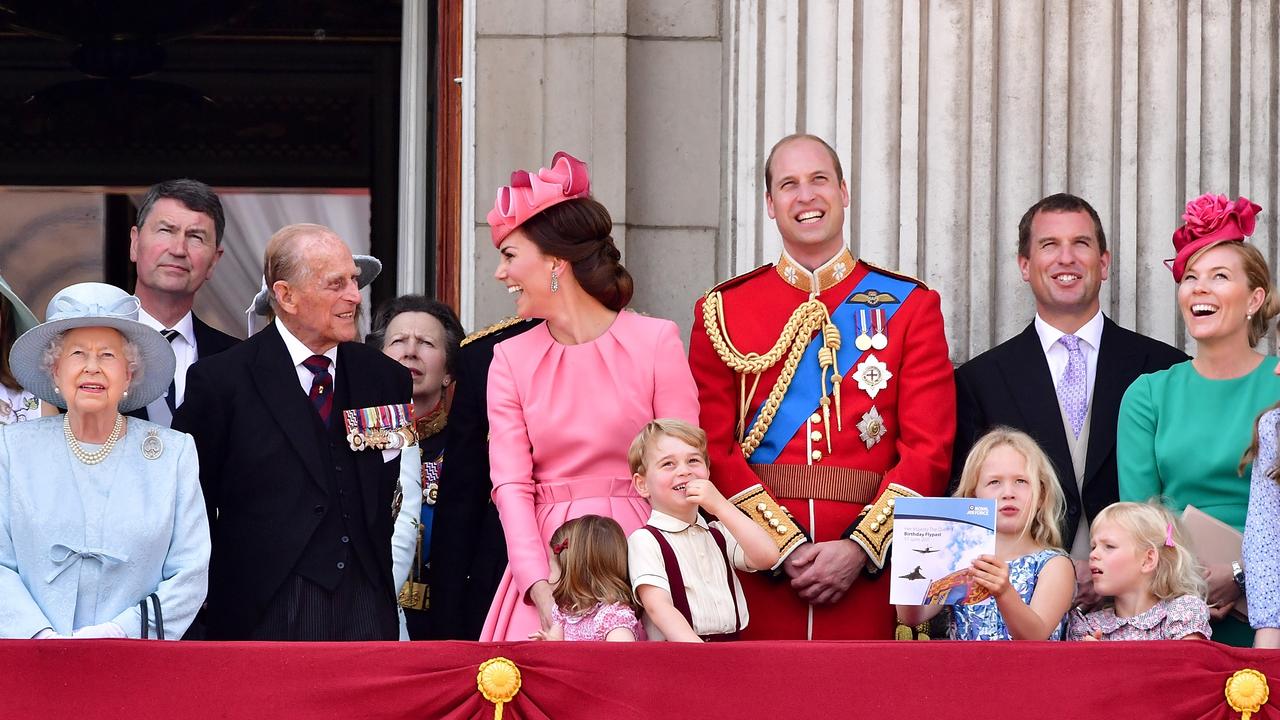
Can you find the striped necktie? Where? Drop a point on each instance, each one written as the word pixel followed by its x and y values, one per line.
pixel 171 397
pixel 321 385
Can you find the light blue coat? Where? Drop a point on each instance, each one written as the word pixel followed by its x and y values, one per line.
pixel 69 559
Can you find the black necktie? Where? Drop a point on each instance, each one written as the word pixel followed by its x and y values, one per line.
pixel 171 397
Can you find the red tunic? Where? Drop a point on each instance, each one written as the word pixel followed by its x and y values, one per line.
pixel 918 408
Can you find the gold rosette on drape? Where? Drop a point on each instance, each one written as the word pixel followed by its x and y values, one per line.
pixel 499 682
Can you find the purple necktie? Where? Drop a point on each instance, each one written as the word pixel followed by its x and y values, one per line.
pixel 1072 392
pixel 321 385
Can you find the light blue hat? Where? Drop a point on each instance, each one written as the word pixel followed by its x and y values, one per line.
pixel 94 304
pixel 25 318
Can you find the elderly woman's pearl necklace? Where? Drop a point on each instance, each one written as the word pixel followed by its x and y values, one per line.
pixel 101 454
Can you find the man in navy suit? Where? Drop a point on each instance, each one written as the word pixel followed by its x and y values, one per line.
pixel 175 245
pixel 1062 378
pixel 300 522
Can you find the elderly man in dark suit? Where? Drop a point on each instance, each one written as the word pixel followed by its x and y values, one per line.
pixel 301 523
pixel 175 246
pixel 1061 379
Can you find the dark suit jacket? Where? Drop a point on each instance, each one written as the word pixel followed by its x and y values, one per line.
pixel 262 474
pixel 1010 385
pixel 209 341
pixel 468 549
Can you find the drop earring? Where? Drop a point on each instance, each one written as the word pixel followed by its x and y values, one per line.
pixel 555 282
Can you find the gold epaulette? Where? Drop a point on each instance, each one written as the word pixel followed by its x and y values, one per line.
pixel 759 505
pixel 895 273
pixel 737 279
pixel 874 531
pixel 500 325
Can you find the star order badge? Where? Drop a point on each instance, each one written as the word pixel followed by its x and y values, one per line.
pixel 871 429
pixel 872 375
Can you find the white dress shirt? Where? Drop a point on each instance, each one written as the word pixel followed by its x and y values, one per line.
pixel 298 352
pixel 185 353
pixel 1090 335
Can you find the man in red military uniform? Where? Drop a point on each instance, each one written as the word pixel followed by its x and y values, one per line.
pixel 826 393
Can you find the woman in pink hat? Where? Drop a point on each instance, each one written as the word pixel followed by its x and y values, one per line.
pixel 1182 431
pixel 566 397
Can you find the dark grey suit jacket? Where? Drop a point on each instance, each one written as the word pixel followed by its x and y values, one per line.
pixel 262 469
pixel 1010 384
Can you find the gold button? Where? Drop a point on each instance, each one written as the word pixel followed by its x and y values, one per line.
pixel 815 436
pixel 773 522
pixel 875 527
pixel 782 529
pixel 883 516
pixel 890 502
pixel 816 455
pixel 760 507
pixel 768 514
pixel 815 418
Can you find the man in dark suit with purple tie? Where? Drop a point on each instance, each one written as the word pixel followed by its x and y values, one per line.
pixel 1061 379
pixel 301 522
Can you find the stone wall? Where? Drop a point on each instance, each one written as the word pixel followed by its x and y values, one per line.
pixel 951 118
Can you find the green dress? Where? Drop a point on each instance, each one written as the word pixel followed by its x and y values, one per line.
pixel 1180 436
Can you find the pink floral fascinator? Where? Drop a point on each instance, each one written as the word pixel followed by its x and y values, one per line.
pixel 530 194
pixel 1211 219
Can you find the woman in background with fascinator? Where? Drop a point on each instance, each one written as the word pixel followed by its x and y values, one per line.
pixel 1182 431
pixel 566 397
pixel 16 404
pixel 98 511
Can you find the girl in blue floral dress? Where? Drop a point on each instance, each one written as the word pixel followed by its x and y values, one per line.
pixel 1028 584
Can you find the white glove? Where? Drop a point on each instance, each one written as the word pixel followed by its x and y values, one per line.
pixel 101 630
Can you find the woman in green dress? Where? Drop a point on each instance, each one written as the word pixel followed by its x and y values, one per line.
pixel 1182 431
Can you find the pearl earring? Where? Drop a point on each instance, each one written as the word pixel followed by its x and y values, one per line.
pixel 56 391
pixel 125 395
pixel 555 282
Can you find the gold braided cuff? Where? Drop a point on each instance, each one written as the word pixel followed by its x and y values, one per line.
pixel 776 520
pixel 874 531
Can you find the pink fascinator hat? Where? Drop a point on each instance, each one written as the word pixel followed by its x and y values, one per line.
pixel 530 194
pixel 1211 219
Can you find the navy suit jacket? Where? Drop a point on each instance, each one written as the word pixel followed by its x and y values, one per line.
pixel 1010 384
pixel 209 341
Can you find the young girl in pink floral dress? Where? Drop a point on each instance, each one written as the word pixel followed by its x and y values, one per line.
pixel 593 599
pixel 1150 580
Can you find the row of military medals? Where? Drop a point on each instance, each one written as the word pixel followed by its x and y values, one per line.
pixel 872 374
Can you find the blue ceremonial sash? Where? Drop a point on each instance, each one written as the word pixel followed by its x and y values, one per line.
pixel 805 391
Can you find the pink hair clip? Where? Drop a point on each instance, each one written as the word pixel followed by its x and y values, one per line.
pixel 1168 535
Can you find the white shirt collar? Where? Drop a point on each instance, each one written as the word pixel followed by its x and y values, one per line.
pixel 299 352
pixel 667 523
pixel 1090 333
pixel 186 327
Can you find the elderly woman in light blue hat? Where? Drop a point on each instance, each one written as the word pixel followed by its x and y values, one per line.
pixel 98 512
pixel 16 404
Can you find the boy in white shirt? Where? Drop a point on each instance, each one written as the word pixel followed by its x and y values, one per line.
pixel 681 566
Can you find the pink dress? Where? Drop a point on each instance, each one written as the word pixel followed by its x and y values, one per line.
pixel 561 418
pixel 598 622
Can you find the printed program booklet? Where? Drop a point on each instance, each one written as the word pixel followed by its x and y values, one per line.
pixel 935 540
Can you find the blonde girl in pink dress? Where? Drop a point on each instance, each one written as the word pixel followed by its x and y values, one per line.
pixel 566 397
pixel 592 589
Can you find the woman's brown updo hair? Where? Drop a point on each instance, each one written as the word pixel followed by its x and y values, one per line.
pixel 578 231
